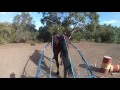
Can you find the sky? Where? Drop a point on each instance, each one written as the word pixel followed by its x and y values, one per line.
pixel 8 17
pixel 112 18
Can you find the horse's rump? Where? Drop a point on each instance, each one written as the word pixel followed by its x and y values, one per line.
pixel 56 43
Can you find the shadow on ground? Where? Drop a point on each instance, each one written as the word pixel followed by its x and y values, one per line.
pixel 35 59
pixel 95 69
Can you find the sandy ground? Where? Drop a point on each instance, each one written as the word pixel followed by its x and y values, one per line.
pixel 22 59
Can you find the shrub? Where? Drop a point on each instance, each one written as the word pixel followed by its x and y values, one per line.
pixel 22 36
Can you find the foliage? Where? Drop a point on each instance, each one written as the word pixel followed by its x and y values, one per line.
pixel 21 30
pixel 25 28
pixel 5 32
pixel 23 21
pixel 80 25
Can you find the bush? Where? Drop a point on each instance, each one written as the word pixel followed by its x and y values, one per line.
pixel 4 36
pixel 22 36
pixel 34 35
pixel 44 35
pixel 118 42
pixel 77 36
pixel 105 36
pixel 1 40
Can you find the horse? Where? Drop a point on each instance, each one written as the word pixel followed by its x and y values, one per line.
pixel 61 45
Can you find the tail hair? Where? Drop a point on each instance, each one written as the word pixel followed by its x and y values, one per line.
pixel 69 71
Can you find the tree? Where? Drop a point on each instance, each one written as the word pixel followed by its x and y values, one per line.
pixel 25 27
pixel 63 22
pixel 92 25
pixel 16 22
pixel 23 21
pixel 93 21
pixel 68 20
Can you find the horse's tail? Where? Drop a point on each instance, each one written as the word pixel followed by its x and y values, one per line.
pixel 64 51
pixel 69 71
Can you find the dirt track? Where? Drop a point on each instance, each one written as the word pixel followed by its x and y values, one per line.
pixel 22 59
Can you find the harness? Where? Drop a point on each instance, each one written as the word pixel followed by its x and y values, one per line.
pixel 88 69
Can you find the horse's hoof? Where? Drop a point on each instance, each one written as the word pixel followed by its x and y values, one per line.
pixel 57 73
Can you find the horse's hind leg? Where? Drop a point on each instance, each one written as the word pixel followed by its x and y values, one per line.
pixel 57 64
pixel 65 73
pixel 61 58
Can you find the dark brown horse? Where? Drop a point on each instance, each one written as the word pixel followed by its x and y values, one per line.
pixel 61 45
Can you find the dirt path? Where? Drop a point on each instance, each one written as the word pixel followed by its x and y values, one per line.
pixel 22 59
pixel 13 58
